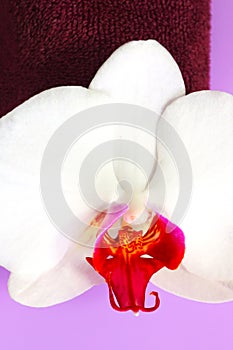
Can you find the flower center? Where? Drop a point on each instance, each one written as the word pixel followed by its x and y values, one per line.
pixel 128 261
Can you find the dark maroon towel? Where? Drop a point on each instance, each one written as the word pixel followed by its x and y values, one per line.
pixel 63 42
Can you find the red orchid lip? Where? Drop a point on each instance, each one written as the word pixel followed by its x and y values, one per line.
pixel 128 261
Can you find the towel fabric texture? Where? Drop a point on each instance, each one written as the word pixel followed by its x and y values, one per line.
pixel 63 42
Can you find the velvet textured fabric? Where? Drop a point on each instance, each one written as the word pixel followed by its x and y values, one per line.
pixel 63 42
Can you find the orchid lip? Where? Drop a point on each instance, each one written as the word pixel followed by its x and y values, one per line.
pixel 128 261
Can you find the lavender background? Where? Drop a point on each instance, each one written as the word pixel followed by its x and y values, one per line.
pixel 88 322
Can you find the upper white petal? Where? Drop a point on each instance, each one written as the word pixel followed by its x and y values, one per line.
pixel 142 73
pixel 203 121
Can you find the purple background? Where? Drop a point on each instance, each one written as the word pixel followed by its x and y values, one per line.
pixel 88 322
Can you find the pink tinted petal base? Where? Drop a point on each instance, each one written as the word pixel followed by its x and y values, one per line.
pixel 114 213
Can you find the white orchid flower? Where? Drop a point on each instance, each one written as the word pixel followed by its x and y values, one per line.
pixel 47 268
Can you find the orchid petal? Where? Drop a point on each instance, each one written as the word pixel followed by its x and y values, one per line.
pixel 25 131
pixel 71 277
pixel 142 73
pixel 29 242
pixel 203 121
pixel 185 284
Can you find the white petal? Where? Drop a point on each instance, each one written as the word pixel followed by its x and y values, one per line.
pixel 71 277
pixel 204 123
pixel 29 242
pixel 142 73
pixel 25 132
pixel 185 284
